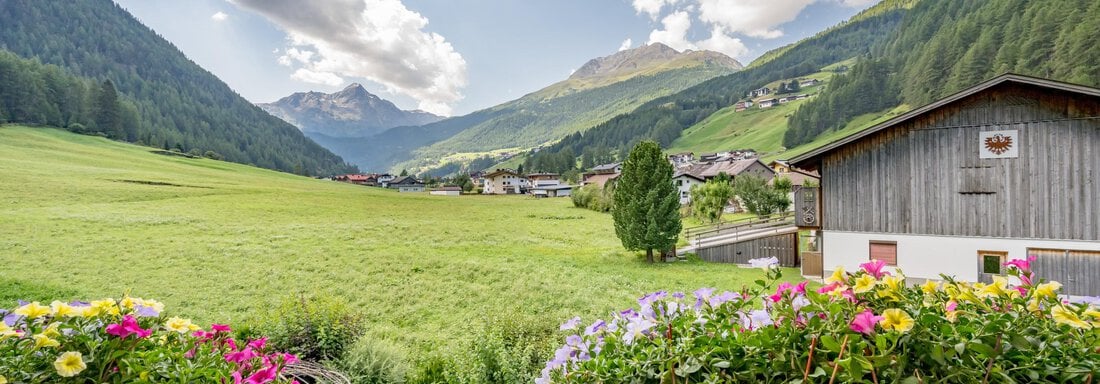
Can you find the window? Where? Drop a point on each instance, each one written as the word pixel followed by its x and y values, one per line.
pixel 991 262
pixel 887 251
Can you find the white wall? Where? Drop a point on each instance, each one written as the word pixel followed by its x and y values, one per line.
pixel 925 256
pixel 684 189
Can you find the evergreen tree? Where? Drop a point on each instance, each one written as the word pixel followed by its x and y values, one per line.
pixel 646 203
pixel 107 115
pixel 404 172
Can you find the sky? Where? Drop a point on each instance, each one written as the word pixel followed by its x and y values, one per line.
pixel 453 57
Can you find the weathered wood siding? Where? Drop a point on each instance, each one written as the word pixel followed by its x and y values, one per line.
pixel 784 247
pixel 924 176
pixel 1076 270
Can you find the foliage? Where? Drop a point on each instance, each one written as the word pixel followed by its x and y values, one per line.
pixel 80 58
pixel 593 197
pixel 709 200
pixel 315 328
pixel 866 327
pixel 758 197
pixel 646 204
pixel 866 88
pixel 124 341
pixel 372 361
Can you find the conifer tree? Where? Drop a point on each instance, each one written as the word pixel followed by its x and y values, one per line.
pixel 646 203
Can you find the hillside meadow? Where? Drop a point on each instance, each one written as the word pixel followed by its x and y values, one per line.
pixel 85 217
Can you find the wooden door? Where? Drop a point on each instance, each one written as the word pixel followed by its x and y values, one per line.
pixel 1077 270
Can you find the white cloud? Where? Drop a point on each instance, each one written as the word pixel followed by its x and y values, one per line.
pixel 674 33
pixel 219 16
pixel 751 17
pixel 719 41
pixel 626 44
pixel 856 3
pixel 651 7
pixel 380 40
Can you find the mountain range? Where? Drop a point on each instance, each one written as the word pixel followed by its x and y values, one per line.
pixel 351 112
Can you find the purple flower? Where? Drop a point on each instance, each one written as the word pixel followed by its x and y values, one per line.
pixel 758 318
pixel 799 302
pixel 724 297
pixel 595 327
pixel 678 295
pixel 143 311
pixel 570 324
pixel 702 295
pixel 11 318
pixel 636 329
pixel 574 341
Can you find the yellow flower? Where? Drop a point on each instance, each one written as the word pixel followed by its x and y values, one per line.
pixel 1062 315
pixel 60 309
pixel 156 305
pixel 890 287
pixel 864 283
pixel 1033 306
pixel 897 320
pixel 837 277
pixel 179 325
pixel 107 306
pixel 42 341
pixel 1093 314
pixel 6 332
pixel 999 288
pixel 3 380
pixel 69 364
pixel 128 302
pixel 51 330
pixel 952 316
pixel 1048 289
pixel 930 287
pixel 33 310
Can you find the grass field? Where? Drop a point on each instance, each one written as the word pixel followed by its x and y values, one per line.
pixel 84 217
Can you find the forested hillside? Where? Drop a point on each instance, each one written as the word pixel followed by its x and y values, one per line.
pixel 164 99
pixel 943 47
pixel 664 118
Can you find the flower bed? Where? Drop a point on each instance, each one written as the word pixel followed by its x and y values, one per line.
pixel 125 341
pixel 862 327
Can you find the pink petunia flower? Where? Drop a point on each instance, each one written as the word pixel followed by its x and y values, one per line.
pixel 262 376
pixel 801 287
pixel 865 322
pixel 258 343
pixel 240 357
pixel 874 268
pixel 127 327
pixel 220 328
pixel 829 288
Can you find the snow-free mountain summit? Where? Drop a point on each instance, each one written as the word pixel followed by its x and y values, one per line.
pixel 351 112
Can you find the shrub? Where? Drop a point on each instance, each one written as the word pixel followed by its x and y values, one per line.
pixel 316 329
pixel 372 361
pixel 593 197
pixel 505 350
pixel 124 341
pixel 758 197
pixel 860 328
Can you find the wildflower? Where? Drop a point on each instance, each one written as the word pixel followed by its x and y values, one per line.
pixel 930 287
pixel 179 325
pixel 765 263
pixel 1063 315
pixel 51 330
pixel 219 328
pixel 1048 289
pixel 146 311
pixel 258 343
pixel 891 288
pixel 837 276
pixel 570 324
pixel 32 310
pixel 999 288
pixel 757 318
pixel 98 307
pixel 69 364
pixel 129 302
pixel 865 322
pixel 874 268
pixel 864 283
pixel 1094 316
pixel 127 327
pixel 896 319
pixel 43 341
pixel 799 302
pixel 241 356
pixel 780 290
pixel 595 327
pixel 724 297
pixel 801 287
pixel 637 328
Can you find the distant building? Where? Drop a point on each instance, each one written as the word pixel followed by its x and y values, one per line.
pixel 535 180
pixel 681 159
pixel 761 92
pixel 808 82
pixel 1007 169
pixel 602 174
pixel 406 184
pixel 742 105
pixel 684 180
pixel 504 182
pixel 558 190
pixel 767 103
pixel 446 191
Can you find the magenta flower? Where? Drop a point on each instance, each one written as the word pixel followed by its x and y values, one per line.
pixel 240 356
pixel 865 322
pixel 801 287
pixel 262 376
pixel 258 343
pixel 874 268
pixel 127 327
pixel 829 288
pixel 219 328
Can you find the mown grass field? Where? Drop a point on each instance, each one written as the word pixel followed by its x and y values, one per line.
pixel 84 217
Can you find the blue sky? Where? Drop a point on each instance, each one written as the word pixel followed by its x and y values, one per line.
pixel 454 57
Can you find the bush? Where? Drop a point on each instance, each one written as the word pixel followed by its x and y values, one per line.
pixel 593 197
pixel 860 328
pixel 505 350
pixel 372 361
pixel 758 197
pixel 314 328
pixel 124 341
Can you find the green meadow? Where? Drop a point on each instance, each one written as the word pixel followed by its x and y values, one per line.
pixel 85 217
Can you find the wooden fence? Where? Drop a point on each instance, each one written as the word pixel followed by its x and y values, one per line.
pixel 784 247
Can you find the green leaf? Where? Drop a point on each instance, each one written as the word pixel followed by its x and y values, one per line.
pixel 937 355
pixel 830 343
pixel 982 349
pixel 960 348
pixel 722 364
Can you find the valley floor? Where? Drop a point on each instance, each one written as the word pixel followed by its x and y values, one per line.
pixel 84 217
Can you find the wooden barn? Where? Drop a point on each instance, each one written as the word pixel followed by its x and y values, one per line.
pixel 1007 169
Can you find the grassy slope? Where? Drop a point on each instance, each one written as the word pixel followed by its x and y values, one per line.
pixel 226 241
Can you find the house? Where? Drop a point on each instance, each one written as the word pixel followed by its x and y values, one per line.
pixel 742 105
pixel 446 191
pixel 681 159
pixel 602 174
pixel 406 184
pixel 786 99
pixel 733 168
pixel 780 166
pixel 801 96
pixel 767 103
pixel 684 180
pixel 385 179
pixel 541 180
pixel 558 190
pixel 503 182
pixel 764 91
pixel 808 82
pixel 1007 169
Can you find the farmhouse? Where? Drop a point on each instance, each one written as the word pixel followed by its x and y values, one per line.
pixel 767 103
pixel 1007 169
pixel 684 180
pixel 808 82
pixel 681 159
pixel 535 180
pixel 764 91
pixel 504 182
pixel 602 174
pixel 741 106
pixel 733 168
pixel 406 184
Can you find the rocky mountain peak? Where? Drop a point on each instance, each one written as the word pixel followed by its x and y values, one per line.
pixel 649 56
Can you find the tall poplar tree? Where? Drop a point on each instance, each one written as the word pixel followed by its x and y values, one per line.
pixel 647 204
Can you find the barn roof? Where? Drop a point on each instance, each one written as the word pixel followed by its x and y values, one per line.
pixel 803 160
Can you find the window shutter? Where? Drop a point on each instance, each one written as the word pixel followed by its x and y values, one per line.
pixel 887 252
